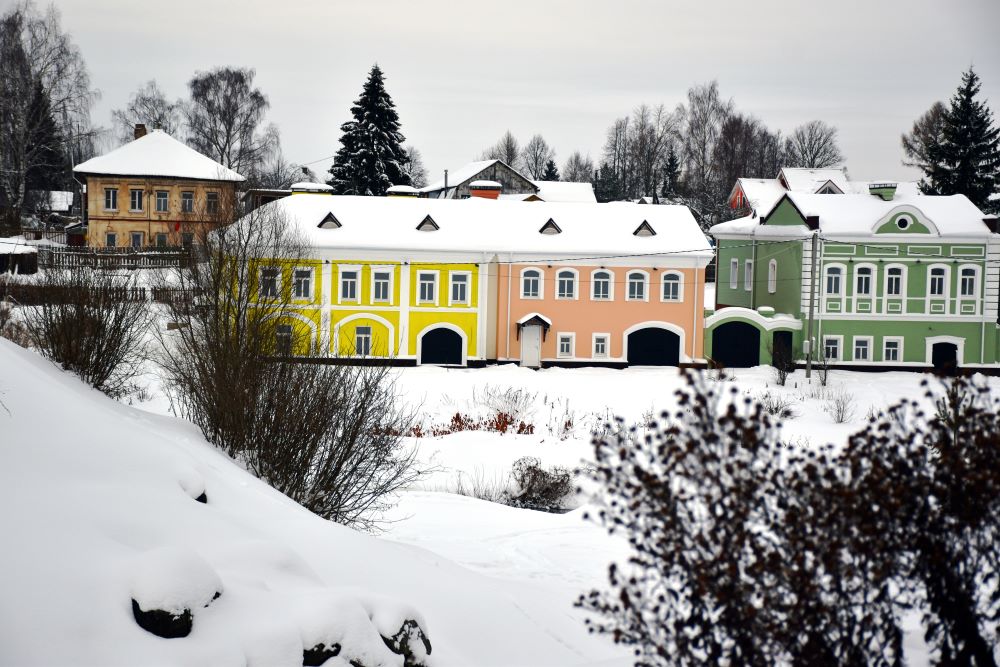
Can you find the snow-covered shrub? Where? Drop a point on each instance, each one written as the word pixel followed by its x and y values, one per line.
pixel 168 585
pixel 777 405
pixel 537 487
pixel 738 550
pixel 517 405
pixel 840 405
pixel 93 324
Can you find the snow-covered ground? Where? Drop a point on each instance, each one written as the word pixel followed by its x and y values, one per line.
pixel 95 494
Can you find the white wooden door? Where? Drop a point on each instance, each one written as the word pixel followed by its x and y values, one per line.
pixel 531 346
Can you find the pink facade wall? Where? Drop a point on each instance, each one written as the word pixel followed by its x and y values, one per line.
pixel 584 316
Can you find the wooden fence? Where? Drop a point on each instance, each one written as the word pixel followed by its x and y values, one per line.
pixel 113 258
pixel 33 295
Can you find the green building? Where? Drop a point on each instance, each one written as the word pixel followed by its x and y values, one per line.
pixel 890 280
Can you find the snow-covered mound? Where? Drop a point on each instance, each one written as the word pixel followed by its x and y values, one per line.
pixel 106 510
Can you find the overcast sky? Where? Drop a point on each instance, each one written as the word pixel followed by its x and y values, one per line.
pixel 462 73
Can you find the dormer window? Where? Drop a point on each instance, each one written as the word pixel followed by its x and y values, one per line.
pixel 428 225
pixel 330 222
pixel 550 228
pixel 645 229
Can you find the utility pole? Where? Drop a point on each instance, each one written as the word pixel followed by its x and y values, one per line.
pixel 812 303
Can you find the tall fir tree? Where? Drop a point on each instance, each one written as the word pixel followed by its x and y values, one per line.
pixel 671 175
pixel 606 185
pixel 551 171
pixel 371 157
pixel 966 160
pixel 47 170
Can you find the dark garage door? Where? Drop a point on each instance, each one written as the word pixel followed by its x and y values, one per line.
pixel 441 346
pixel 944 356
pixel 736 345
pixel 653 347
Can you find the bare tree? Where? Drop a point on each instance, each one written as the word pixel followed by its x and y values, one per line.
pixel 578 169
pixel 927 133
pixel 535 155
pixel 414 167
pixel 813 146
pixel 746 148
pixel 329 436
pixel 653 131
pixel 35 51
pixel 703 118
pixel 149 106
pixel 506 148
pixel 93 324
pixel 225 118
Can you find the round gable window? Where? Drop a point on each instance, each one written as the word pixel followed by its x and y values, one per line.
pixel 903 222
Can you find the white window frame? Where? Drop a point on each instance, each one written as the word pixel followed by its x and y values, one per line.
pixel 185 207
pixel 975 281
pixel 576 284
pixel 734 274
pixel 772 276
pixel 902 281
pixel 165 199
pixel 840 284
pixel 611 285
pixel 161 235
pixel 871 348
pixel 899 348
pixel 349 268
pixel 277 282
pixel 210 198
pixel 132 236
pixel 840 348
pixel 572 345
pixel 132 192
pixel 872 278
pixel 451 288
pixel 435 277
pixel 680 286
pixel 540 292
pixel 111 193
pixel 382 269
pixel 358 336
pixel 748 274
pixel 110 236
pixel 946 284
pixel 628 285
pixel 295 281
pixel 607 345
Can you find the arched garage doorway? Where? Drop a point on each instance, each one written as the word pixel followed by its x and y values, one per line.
pixel 736 345
pixel 442 347
pixel 653 346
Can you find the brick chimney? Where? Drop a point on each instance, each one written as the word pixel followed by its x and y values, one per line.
pixel 139 132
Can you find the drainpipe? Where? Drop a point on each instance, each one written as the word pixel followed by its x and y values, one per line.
pixel 510 266
pixel 753 274
pixel 812 304
pixel 694 315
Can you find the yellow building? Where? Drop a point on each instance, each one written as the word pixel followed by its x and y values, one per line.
pixel 154 192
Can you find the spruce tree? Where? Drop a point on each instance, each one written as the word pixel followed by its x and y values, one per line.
pixel 671 175
pixel 371 157
pixel 606 185
pixel 47 162
pixel 551 171
pixel 967 158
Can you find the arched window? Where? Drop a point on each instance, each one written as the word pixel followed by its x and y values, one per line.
pixel 671 287
pixel 863 281
pixel 600 286
pixel 937 281
pixel 968 281
pixel 772 276
pixel 894 276
pixel 566 284
pixel 636 286
pixel 531 283
pixel 834 282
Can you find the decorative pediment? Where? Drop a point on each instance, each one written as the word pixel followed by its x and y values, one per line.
pixel 550 227
pixel 905 220
pixel 428 225
pixel 645 229
pixel 330 222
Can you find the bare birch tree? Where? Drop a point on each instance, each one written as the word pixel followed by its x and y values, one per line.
pixel 578 169
pixel 506 148
pixel 149 106
pixel 535 155
pixel 813 146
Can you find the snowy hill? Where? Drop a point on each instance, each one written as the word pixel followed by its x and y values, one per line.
pixel 98 503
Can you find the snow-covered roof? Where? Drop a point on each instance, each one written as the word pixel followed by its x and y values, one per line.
pixel 811 180
pixel 903 188
pixel 761 193
pixel 565 191
pixel 16 245
pixel 856 215
pixel 308 186
pixel 460 175
pixel 533 316
pixel 477 225
pixel 158 154
pixel 402 189
pixel 485 184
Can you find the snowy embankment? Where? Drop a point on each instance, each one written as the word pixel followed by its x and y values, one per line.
pixel 100 506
